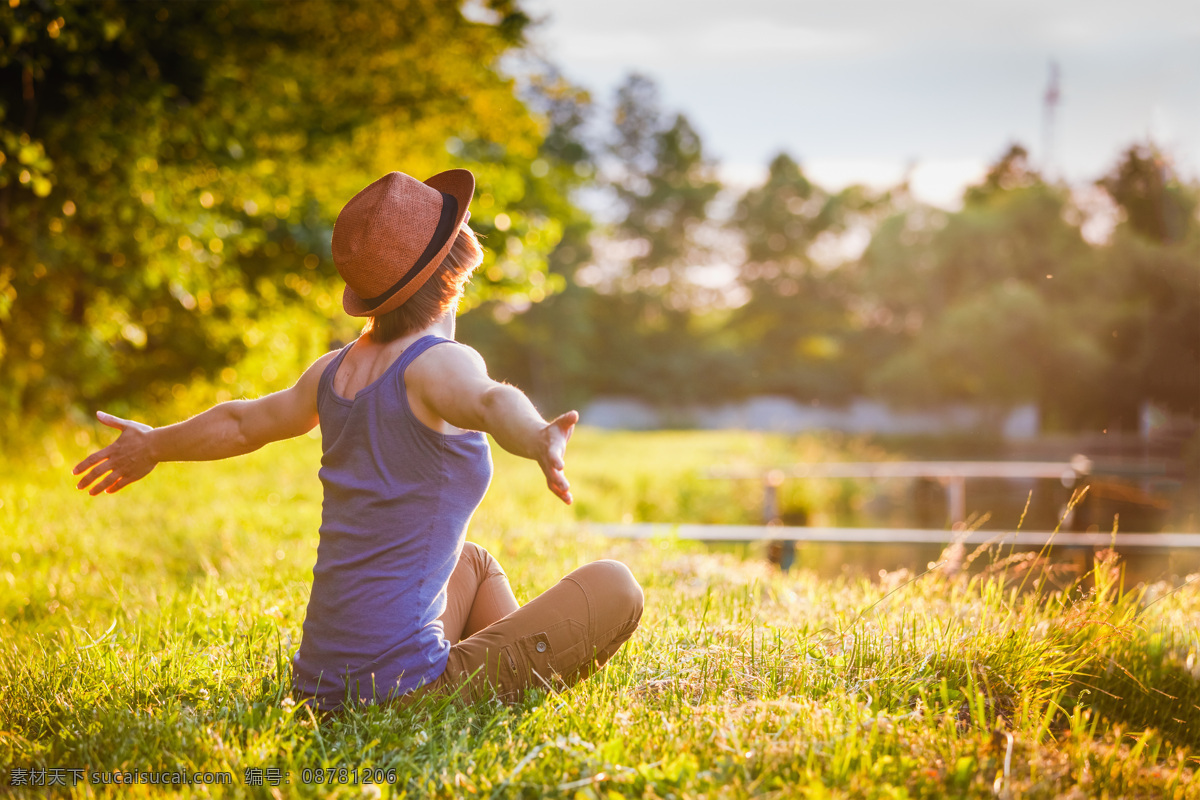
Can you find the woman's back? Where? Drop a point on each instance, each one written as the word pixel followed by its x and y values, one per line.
pixel 402 482
pixel 398 498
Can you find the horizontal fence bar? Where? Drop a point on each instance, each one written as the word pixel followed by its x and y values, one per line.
pixel 1127 468
pixel 911 469
pixel 755 533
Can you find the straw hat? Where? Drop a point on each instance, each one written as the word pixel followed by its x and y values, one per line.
pixel 393 234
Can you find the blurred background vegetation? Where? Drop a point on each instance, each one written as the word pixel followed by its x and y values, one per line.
pixel 170 173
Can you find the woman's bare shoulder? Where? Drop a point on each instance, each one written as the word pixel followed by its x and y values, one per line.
pixel 447 364
pixel 452 354
pixel 317 367
pixel 445 386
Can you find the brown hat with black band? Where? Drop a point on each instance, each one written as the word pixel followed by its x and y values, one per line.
pixel 393 234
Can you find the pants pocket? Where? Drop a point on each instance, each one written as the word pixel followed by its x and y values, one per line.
pixel 556 657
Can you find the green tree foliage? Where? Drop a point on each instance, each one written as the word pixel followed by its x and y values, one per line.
pixel 1152 341
pixel 990 304
pixel 664 185
pixel 171 170
pixel 543 344
pixel 640 332
pixel 797 326
pixel 1157 205
pixel 1000 303
pixel 1153 284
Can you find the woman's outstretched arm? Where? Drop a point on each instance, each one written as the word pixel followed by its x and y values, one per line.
pixel 453 384
pixel 225 430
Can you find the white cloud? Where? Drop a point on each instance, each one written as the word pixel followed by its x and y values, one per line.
pixel 739 177
pixel 765 39
pixel 838 173
pixel 937 181
pixel 748 41
pixel 940 182
pixel 763 29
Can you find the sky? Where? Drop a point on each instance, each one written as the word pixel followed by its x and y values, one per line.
pixel 868 90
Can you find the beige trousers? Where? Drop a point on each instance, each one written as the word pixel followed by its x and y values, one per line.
pixel 501 649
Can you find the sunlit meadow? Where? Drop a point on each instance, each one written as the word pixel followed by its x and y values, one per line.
pixel 152 630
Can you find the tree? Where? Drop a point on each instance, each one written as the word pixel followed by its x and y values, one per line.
pixel 543 344
pixel 796 327
pixel 170 172
pixel 1152 335
pixel 662 185
pixel 1155 203
pixel 1152 270
pixel 992 304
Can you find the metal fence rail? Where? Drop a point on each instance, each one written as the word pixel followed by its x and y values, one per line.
pixel 753 533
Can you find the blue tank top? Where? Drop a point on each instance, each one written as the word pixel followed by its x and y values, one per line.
pixel 397 500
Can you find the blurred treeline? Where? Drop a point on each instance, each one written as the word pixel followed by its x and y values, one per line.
pixel 170 173
pixel 1001 303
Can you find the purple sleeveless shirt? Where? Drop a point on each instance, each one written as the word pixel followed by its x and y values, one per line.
pixel 398 497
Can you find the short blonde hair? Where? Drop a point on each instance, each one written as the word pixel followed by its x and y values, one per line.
pixel 436 296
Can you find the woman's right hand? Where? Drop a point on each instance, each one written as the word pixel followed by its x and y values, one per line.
pixel 126 460
pixel 552 459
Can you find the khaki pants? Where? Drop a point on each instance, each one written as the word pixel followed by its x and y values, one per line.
pixel 500 649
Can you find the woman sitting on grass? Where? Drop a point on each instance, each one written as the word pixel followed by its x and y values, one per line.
pixel 401 605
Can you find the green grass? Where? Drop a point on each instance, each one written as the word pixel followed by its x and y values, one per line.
pixel 151 630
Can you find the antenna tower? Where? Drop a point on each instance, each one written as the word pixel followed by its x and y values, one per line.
pixel 1050 104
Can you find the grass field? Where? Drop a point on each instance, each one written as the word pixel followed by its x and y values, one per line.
pixel 152 630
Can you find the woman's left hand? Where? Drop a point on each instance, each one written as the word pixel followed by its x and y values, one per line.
pixel 126 460
pixel 453 385
pixel 555 437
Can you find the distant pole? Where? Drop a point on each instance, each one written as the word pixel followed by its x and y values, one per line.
pixel 1050 103
pixel 956 499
